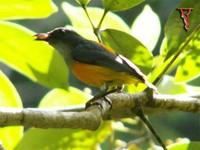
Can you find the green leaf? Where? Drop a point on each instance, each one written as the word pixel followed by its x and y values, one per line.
pixel 146 27
pixel 8 96
pixel 35 59
pixel 80 21
pixel 129 47
pixel 60 97
pixel 53 139
pixel 9 136
pixel 174 32
pixel 83 2
pixel 190 65
pixel 184 146
pixel 194 82
pixel 19 9
pixel 64 138
pixel 172 87
pixel 120 5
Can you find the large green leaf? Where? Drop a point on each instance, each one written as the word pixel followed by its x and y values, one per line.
pixel 120 5
pixel 18 9
pixel 174 31
pixel 190 65
pixel 60 97
pixel 146 27
pixel 8 95
pixel 80 21
pixel 129 47
pixel 9 136
pixel 52 139
pixel 35 59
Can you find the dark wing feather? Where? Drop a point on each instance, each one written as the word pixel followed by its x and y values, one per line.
pixel 92 53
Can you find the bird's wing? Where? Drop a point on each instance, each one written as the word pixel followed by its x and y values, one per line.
pixel 95 54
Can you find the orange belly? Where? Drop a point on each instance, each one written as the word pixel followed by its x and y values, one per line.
pixel 97 75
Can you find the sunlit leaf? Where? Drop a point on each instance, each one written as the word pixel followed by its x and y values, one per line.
pixel 64 138
pixel 120 5
pixel 174 31
pixel 9 136
pixel 129 47
pixel 60 97
pixel 146 28
pixel 18 9
pixel 172 87
pixel 79 19
pixel 190 65
pixel 8 96
pixel 35 59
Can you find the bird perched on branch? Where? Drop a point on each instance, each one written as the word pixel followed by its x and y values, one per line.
pixel 94 63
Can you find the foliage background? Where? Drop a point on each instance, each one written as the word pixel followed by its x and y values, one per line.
pixel 173 125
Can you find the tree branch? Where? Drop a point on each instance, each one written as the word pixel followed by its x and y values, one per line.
pixel 78 117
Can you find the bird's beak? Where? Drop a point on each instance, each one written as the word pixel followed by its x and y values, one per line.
pixel 41 36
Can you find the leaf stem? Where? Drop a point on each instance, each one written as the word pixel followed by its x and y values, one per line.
pixel 95 29
pixel 102 18
pixel 88 16
pixel 176 55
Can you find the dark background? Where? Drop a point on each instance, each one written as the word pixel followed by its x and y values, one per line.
pixel 170 125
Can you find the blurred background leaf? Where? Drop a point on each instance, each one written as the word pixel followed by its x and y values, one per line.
pixel 82 23
pixel 35 59
pixel 18 9
pixel 9 136
pixel 172 87
pixel 60 97
pixel 146 27
pixel 8 96
pixel 41 139
pixel 120 5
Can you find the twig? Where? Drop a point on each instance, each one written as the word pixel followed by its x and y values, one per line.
pixel 180 50
pixel 139 112
pixel 88 16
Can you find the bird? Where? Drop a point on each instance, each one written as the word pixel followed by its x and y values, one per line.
pixel 94 63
